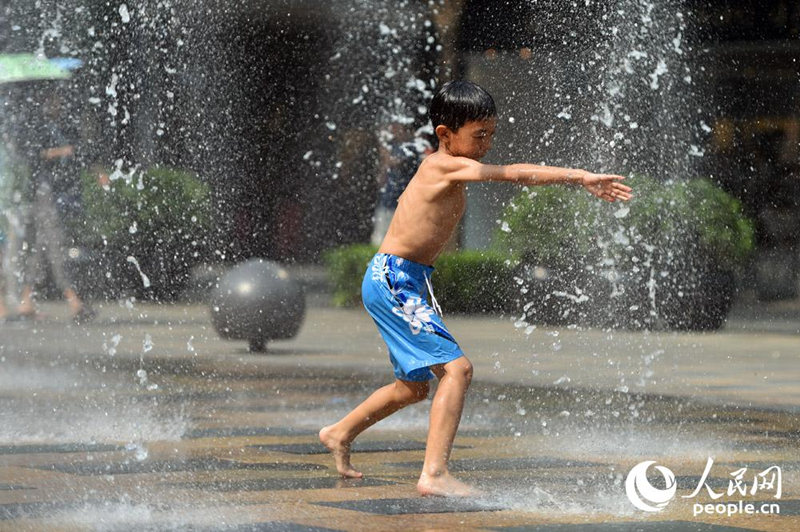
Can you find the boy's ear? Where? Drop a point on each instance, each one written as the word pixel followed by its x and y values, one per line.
pixel 442 131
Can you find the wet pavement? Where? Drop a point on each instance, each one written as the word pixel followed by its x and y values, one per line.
pixel 146 419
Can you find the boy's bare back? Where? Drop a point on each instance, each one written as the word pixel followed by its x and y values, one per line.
pixel 427 212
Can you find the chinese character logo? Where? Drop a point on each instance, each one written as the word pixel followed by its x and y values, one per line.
pixel 644 495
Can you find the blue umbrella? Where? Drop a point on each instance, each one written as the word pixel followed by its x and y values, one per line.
pixel 67 63
pixel 30 67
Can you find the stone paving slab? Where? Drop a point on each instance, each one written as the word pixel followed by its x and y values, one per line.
pixel 276 484
pixel 164 466
pixel 358 446
pixel 503 464
pixel 58 448
pixel 416 505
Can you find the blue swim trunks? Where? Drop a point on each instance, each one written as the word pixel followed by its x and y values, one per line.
pixel 394 292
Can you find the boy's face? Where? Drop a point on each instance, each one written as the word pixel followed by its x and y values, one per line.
pixel 473 139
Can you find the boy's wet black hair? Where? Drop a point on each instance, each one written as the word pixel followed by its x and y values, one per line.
pixel 458 102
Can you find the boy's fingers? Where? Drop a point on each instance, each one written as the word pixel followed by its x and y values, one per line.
pixel 622 194
pixel 608 196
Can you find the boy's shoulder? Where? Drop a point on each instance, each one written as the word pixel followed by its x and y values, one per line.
pixel 441 164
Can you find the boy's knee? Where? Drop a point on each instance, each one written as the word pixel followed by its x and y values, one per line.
pixel 461 368
pixel 467 370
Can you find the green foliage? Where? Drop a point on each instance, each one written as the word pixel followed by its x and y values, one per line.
pixel 473 281
pixel 161 217
pixel 546 221
pixel 466 281
pixel 558 225
pixel 346 267
pixel 718 218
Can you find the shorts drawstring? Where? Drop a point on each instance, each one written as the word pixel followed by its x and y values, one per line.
pixel 386 268
pixel 434 303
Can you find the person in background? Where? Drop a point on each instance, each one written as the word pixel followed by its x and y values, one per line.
pixel 51 153
pixel 7 176
pixel 3 309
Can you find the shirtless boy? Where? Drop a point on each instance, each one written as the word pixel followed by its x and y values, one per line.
pixel 398 278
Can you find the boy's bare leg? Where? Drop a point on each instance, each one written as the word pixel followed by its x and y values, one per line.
pixel 3 308
pixel 448 403
pixel 26 305
pixel 73 301
pixel 383 402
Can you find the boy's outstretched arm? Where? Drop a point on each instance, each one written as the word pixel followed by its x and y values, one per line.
pixel 604 186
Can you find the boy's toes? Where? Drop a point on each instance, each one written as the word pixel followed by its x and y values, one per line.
pixel 351 473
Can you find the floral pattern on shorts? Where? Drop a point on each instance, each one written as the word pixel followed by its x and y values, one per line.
pixel 417 313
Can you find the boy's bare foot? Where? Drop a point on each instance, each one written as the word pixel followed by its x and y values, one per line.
pixel 26 310
pixel 26 307
pixel 341 453
pixel 445 485
pixel 26 313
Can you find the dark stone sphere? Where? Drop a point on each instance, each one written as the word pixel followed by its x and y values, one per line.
pixel 257 301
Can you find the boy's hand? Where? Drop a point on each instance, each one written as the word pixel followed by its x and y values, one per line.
pixel 606 187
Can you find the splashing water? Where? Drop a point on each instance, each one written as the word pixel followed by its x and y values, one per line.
pixel 145 279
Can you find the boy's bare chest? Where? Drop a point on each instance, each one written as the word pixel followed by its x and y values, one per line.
pixel 454 200
pixel 424 221
pixel 445 202
pixel 458 202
